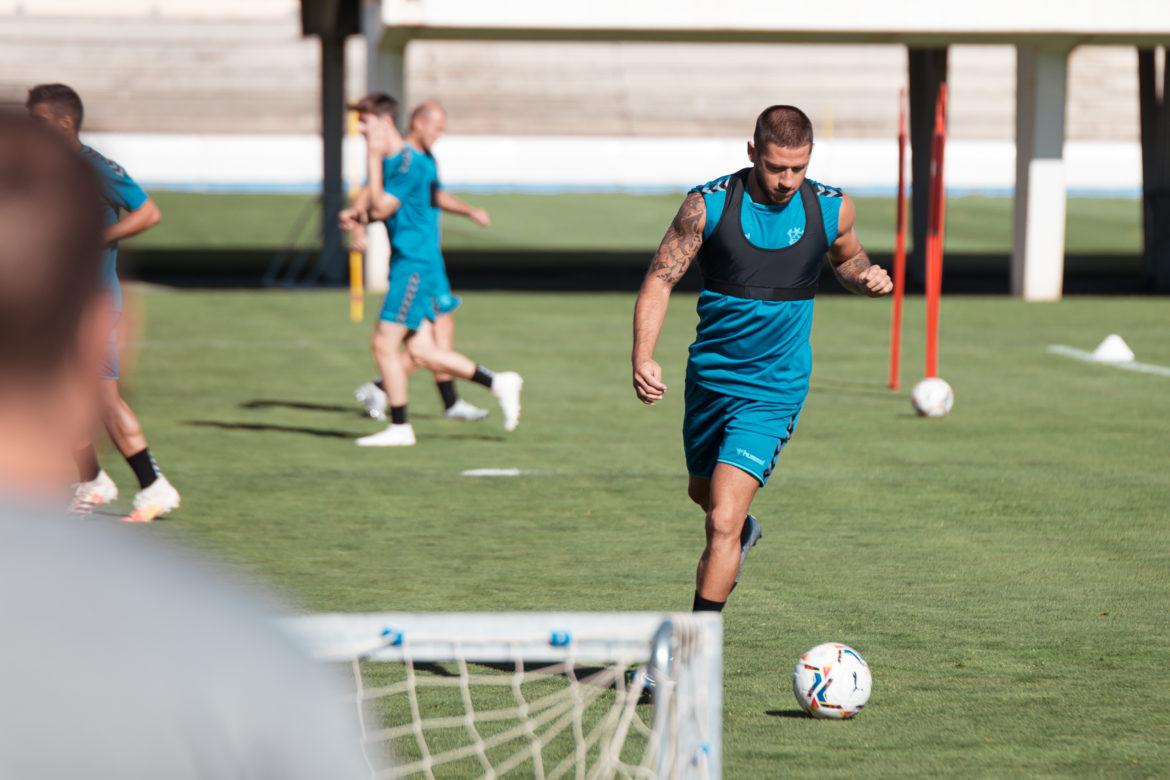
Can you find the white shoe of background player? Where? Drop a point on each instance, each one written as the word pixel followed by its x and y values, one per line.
pixel 157 499
pixel 373 400
pixel 87 495
pixel 506 388
pixel 462 410
pixel 393 436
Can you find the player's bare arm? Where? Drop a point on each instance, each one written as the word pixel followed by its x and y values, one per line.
pixel 850 262
pixel 358 212
pixel 452 205
pixel 675 254
pixel 137 221
pixel 379 144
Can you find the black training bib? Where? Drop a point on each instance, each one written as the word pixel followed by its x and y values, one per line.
pixel 732 265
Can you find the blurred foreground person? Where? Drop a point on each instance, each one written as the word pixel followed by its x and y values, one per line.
pixel 60 109
pixel 119 658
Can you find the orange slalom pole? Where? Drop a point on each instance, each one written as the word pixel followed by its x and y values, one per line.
pixel 935 232
pixel 357 293
pixel 895 379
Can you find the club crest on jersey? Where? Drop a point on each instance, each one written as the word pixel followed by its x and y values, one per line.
pixel 794 235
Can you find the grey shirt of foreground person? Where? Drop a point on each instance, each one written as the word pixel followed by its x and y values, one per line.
pixel 121 658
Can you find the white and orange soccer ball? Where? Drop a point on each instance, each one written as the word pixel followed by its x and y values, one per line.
pixel 932 397
pixel 832 681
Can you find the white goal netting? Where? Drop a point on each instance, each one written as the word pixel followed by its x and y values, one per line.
pixel 544 695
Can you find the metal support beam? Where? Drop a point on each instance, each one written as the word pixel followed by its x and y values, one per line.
pixel 330 267
pixel 928 69
pixel 1155 128
pixel 1041 192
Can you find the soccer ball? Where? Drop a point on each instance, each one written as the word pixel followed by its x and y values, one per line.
pixel 831 681
pixel 932 397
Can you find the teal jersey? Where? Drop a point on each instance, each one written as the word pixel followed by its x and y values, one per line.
pixel 119 193
pixel 755 349
pixel 411 177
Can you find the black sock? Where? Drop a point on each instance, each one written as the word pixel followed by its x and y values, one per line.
pixel 483 376
pixel 703 605
pixel 447 392
pixel 87 464
pixel 144 467
pixel 398 415
pixel 378 383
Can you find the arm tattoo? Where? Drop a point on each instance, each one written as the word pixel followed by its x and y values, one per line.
pixel 849 271
pixel 681 242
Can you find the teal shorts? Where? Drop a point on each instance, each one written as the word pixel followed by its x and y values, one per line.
pixel 741 432
pixel 410 299
pixel 445 301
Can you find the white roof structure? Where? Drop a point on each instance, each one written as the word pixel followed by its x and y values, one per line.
pixel 920 22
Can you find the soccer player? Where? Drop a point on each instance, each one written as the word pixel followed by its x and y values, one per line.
pixel 759 235
pixel 428 121
pixel 399 190
pixel 60 108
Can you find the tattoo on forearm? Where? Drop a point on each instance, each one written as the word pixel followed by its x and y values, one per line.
pixel 850 271
pixel 681 242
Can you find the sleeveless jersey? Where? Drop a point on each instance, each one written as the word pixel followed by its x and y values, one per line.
pixel 760 266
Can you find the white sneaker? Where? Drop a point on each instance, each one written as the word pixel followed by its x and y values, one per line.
pixel 393 436
pixel 154 501
pixel 506 388
pixel 373 400
pixel 88 495
pixel 462 410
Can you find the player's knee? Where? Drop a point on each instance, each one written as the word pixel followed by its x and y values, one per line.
pixel 723 527
pixel 381 345
pixel 422 352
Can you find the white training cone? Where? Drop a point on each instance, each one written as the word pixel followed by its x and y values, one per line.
pixel 1113 350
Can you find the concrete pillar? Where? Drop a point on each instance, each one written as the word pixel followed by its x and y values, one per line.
pixel 1041 192
pixel 385 72
pixel 928 69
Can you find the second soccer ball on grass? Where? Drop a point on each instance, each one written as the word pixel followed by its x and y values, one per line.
pixel 932 397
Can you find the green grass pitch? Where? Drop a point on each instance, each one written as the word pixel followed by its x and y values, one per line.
pixel 1004 570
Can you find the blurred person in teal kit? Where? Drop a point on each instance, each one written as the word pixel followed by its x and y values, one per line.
pixel 760 235
pixel 59 107
pixel 400 191
pixel 428 122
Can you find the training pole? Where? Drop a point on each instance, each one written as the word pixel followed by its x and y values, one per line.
pixel 935 230
pixel 357 295
pixel 899 252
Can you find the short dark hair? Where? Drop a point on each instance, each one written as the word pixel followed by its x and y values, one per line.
pixel 63 98
pixel 378 104
pixel 50 259
pixel 784 126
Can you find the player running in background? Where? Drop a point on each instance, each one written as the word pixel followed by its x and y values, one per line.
pixel 399 191
pixel 428 121
pixel 60 108
pixel 759 235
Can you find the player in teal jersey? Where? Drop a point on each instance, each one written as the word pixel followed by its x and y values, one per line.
pixel 760 236
pixel 60 108
pixel 399 191
pixel 427 123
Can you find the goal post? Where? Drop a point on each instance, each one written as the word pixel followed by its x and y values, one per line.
pixel 547 695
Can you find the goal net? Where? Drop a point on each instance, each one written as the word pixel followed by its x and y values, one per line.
pixel 546 695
